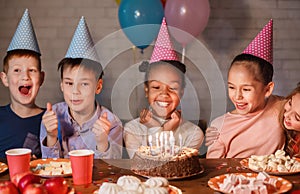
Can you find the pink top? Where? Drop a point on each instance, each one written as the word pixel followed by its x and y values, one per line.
pixel 256 133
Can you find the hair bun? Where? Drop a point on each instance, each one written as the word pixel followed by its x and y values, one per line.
pixel 143 67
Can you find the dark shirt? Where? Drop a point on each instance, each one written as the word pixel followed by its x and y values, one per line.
pixel 17 132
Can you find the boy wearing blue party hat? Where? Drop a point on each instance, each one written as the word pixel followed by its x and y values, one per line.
pixel 80 122
pixel 22 75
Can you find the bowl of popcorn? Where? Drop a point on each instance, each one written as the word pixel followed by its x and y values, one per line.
pixel 277 164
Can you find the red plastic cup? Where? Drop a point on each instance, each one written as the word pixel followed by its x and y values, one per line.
pixel 18 160
pixel 82 166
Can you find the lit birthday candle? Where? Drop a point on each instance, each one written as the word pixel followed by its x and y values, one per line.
pixel 166 142
pixel 161 140
pixel 150 142
pixel 172 142
pixel 180 141
pixel 157 141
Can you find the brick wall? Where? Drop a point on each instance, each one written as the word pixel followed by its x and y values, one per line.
pixel 232 25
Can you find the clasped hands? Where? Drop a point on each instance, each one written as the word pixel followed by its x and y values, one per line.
pixel 147 119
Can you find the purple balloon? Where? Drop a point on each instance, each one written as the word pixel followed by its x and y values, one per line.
pixel 186 18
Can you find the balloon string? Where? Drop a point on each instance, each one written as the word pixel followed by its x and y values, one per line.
pixel 134 54
pixel 183 54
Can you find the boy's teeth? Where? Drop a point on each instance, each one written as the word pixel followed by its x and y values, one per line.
pixel 162 103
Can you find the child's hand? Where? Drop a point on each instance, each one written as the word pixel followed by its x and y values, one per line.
pixel 101 129
pixel 211 135
pixel 50 121
pixel 147 119
pixel 174 122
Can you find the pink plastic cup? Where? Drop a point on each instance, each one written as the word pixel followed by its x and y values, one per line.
pixel 82 166
pixel 18 160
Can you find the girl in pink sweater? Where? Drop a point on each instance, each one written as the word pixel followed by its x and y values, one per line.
pixel 252 127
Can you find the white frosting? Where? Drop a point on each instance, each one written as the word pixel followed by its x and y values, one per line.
pixel 127 179
pixel 128 192
pixel 131 183
pixel 110 188
pixel 157 182
pixel 156 190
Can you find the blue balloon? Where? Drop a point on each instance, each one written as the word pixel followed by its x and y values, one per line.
pixel 140 20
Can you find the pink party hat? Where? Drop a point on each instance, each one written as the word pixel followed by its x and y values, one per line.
pixel 262 45
pixel 163 49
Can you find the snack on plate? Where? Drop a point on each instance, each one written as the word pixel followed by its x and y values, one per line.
pixel 262 184
pixel 278 162
pixel 53 168
pixel 109 188
pixel 131 184
pixel 151 162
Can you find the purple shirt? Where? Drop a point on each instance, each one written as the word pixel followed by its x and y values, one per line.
pixel 73 137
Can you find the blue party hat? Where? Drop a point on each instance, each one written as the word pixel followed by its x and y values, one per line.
pixel 82 45
pixel 24 37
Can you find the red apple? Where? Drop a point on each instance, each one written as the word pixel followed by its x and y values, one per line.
pixel 56 185
pixel 7 187
pixel 28 179
pixel 35 188
pixel 16 178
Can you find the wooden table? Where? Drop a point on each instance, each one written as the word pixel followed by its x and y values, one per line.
pixel 111 170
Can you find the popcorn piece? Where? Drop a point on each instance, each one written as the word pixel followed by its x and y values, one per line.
pixel 282 168
pixel 279 153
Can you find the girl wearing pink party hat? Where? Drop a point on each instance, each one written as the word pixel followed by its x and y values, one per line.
pixel 252 127
pixel 164 86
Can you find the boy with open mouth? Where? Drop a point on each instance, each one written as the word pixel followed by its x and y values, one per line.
pixel 22 75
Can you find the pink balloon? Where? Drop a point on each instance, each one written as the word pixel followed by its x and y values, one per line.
pixel 186 16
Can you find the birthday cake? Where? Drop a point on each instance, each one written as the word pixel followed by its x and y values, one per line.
pixel 152 161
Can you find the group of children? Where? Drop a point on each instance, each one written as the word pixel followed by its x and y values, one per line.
pixel 261 123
